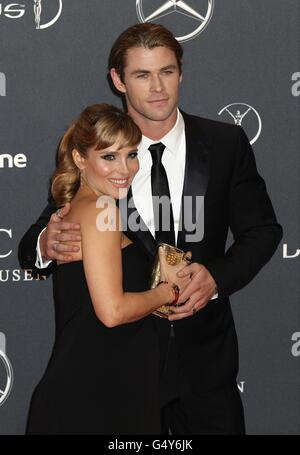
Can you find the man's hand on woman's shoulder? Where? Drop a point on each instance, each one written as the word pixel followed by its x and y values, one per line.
pixel 56 241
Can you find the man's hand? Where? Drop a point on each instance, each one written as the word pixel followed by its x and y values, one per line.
pixel 170 272
pixel 54 240
pixel 196 294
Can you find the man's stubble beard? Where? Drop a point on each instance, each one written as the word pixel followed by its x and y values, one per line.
pixel 150 115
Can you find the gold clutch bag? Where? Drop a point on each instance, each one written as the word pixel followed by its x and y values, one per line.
pixel 174 257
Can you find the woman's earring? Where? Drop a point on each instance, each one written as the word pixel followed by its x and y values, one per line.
pixel 82 177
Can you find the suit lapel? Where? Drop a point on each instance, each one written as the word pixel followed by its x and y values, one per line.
pixel 195 184
pixel 196 171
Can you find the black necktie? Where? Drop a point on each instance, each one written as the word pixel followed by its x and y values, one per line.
pixel 164 224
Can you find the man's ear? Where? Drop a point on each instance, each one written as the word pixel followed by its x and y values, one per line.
pixel 117 80
pixel 78 159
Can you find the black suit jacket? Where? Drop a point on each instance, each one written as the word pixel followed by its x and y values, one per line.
pixel 220 165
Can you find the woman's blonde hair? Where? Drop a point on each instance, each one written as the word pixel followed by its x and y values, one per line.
pixel 98 127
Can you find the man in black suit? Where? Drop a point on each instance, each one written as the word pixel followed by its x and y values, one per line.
pixel 184 157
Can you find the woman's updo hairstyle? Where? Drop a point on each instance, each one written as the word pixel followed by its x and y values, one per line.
pixel 98 127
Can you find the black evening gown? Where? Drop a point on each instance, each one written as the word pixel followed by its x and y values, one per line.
pixel 99 380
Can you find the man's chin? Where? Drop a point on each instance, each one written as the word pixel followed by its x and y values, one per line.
pixel 159 115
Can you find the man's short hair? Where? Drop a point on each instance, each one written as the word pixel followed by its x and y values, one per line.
pixel 147 35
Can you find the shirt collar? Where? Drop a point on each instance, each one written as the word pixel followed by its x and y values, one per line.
pixel 170 140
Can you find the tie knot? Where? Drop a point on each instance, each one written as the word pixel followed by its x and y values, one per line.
pixel 156 151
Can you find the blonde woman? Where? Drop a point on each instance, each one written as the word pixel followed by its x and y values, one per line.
pixel 103 375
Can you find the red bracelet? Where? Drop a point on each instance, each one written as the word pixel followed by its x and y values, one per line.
pixel 176 294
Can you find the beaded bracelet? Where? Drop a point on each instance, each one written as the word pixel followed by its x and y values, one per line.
pixel 176 292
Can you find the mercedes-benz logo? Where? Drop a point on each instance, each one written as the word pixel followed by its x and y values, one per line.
pixel 37 7
pixel 180 7
pixel 6 372
pixel 241 112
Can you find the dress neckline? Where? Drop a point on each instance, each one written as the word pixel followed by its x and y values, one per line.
pixel 80 260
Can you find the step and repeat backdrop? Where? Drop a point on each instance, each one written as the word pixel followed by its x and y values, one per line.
pixel 241 65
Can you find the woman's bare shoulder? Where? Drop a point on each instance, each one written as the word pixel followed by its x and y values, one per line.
pixel 85 208
pixel 99 219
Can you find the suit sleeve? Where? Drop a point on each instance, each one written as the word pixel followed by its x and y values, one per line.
pixel 27 245
pixel 253 223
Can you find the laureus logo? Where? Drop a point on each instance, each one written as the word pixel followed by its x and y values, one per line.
pixel 243 114
pixel 6 372
pixel 193 14
pixel 46 12
pixel 39 7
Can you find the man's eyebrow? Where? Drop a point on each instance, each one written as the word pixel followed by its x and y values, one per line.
pixel 169 67
pixel 142 71
pixel 138 71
